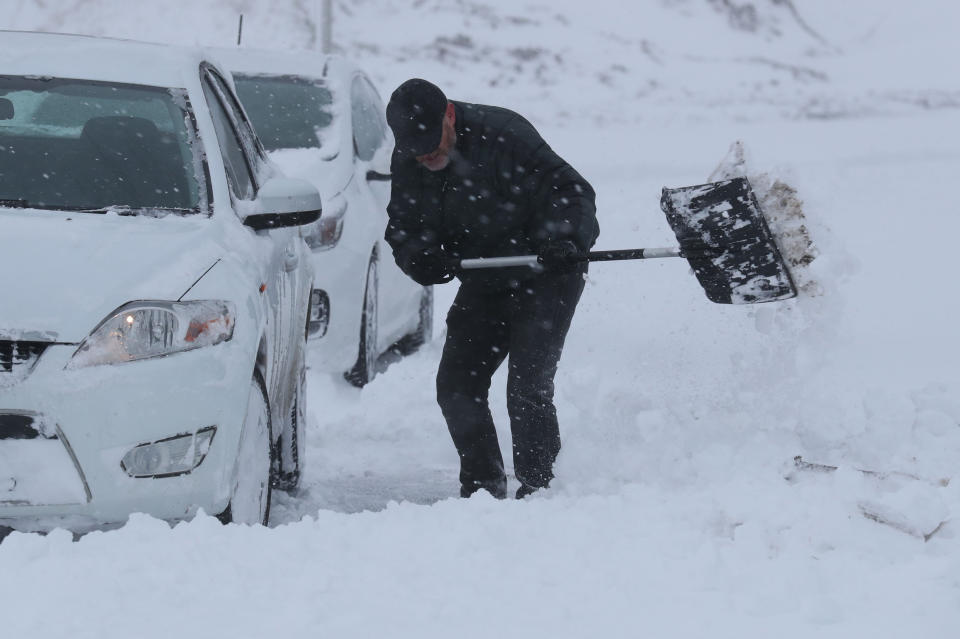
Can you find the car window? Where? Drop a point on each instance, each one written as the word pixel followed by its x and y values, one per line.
pixel 288 112
pixel 235 161
pixel 84 145
pixel 369 127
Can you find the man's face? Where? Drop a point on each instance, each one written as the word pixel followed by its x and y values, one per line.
pixel 438 159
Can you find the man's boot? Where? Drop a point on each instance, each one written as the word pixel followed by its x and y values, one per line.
pixel 496 488
pixel 525 490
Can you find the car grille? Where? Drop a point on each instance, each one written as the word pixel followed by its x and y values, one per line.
pixel 18 426
pixel 39 467
pixel 19 358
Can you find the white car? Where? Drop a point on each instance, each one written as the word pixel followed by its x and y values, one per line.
pixel 155 290
pixel 320 118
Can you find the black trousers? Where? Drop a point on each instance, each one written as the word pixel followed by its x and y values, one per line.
pixel 529 323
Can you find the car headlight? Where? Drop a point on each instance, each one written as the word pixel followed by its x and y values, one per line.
pixel 140 330
pixel 324 234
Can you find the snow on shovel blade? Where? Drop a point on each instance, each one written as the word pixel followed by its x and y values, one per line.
pixel 725 237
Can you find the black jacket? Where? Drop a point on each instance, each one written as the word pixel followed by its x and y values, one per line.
pixel 505 192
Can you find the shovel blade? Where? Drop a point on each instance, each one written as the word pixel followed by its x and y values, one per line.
pixel 741 263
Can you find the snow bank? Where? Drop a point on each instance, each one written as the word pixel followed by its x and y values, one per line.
pixel 640 563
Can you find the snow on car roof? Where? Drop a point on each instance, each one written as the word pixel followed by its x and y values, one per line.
pixel 95 58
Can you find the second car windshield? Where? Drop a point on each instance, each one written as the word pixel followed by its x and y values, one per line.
pixel 288 112
pixel 85 145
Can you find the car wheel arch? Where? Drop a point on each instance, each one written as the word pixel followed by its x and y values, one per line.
pixel 364 369
pixel 373 260
pixel 261 362
pixel 261 365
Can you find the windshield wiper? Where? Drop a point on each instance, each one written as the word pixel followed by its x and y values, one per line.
pixel 25 204
pixel 116 209
pixel 146 211
pixel 113 208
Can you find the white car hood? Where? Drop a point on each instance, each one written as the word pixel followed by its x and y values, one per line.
pixel 329 176
pixel 62 273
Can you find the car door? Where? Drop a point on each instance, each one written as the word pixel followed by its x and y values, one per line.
pixel 399 296
pixel 245 162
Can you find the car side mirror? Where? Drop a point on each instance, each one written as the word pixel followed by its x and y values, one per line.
pixel 284 202
pixel 6 109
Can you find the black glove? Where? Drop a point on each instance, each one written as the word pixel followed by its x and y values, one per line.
pixel 431 266
pixel 560 256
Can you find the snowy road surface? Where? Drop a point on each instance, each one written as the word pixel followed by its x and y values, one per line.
pixel 678 510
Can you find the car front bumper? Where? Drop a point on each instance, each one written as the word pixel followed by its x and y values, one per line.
pixel 92 417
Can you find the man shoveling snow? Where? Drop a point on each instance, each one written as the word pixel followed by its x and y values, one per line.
pixel 471 181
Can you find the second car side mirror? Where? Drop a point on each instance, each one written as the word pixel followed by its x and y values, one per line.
pixel 284 202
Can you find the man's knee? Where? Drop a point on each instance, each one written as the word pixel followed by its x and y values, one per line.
pixel 450 401
pixel 529 395
pixel 457 396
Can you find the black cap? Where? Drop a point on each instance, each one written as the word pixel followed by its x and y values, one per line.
pixel 415 113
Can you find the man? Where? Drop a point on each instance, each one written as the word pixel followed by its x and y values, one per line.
pixel 478 181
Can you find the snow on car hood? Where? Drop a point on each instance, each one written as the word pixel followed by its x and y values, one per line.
pixel 330 176
pixel 62 273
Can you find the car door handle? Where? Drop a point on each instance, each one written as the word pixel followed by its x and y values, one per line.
pixel 376 176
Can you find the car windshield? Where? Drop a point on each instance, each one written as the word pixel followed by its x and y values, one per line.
pixel 288 112
pixel 95 146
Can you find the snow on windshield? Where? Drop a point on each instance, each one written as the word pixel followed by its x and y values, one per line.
pixel 84 145
pixel 288 112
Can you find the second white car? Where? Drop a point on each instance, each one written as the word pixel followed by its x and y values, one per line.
pixel 321 119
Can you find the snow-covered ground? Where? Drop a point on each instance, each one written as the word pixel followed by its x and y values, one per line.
pixel 678 510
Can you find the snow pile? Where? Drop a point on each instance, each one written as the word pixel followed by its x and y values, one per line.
pixel 640 562
pixel 783 211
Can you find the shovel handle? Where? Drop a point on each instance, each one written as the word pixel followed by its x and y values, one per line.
pixel 632 254
pixel 533 261
pixel 500 262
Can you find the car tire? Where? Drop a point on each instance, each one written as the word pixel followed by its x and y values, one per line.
pixel 365 369
pixel 291 445
pixel 252 486
pixel 411 343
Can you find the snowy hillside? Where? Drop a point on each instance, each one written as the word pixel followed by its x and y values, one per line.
pixel 679 509
pixel 629 60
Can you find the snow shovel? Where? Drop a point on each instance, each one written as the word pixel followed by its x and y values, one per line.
pixel 722 234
